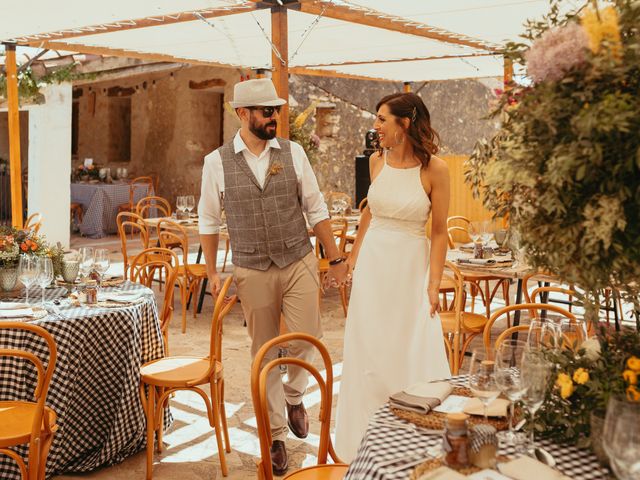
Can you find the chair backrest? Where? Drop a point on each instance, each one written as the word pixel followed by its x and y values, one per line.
pixel 220 310
pixel 259 373
pixel 34 222
pixel 172 234
pixel 43 380
pixel 531 307
pixel 143 269
pixel 147 203
pixel 339 227
pixel 461 225
pixel 363 203
pixel 145 180
pixel 135 224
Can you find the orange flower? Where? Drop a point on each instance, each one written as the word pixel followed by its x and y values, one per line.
pixel 24 247
pixel 633 395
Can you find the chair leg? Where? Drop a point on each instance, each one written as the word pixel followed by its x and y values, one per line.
pixel 184 295
pixel 160 422
pixel 217 425
pixel 505 294
pixel 343 297
pixel 150 404
pixel 223 418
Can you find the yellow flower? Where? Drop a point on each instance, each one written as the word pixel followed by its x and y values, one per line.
pixel 602 26
pixel 565 384
pixel 581 376
pixel 633 394
pixel 634 364
pixel 630 377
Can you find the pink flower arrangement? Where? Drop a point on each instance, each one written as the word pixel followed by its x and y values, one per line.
pixel 556 52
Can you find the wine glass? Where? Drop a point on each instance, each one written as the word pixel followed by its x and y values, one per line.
pixel 543 334
pixel 509 378
pixel 475 231
pixel 500 236
pixel 571 333
pixel 101 261
pixel 27 272
pixel 621 438
pixel 86 261
pixel 535 372
pixel 45 274
pixel 482 380
pixel 189 203
pixel 486 232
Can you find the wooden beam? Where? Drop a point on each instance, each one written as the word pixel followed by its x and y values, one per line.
pixel 333 74
pixel 280 76
pixel 15 164
pixel 508 71
pixel 210 83
pixel 159 57
pixel 374 18
pixel 145 22
pixel 398 60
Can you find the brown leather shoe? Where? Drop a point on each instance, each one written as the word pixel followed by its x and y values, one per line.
pixel 279 462
pixel 298 420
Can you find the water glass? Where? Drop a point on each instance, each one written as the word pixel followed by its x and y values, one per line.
pixel 475 231
pixel 86 261
pixel 543 334
pixel 500 236
pixel 27 272
pixel 101 261
pixel 509 378
pixel 535 373
pixel 482 380
pixel 45 274
pixel 571 333
pixel 180 203
pixel 621 438
pixel 189 203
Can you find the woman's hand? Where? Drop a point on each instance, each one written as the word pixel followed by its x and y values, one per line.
pixel 434 300
pixel 351 263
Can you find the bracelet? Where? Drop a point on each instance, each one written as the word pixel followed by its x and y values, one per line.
pixel 336 261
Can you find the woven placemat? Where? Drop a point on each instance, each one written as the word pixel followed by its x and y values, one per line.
pixel 436 463
pixel 38 313
pixel 435 420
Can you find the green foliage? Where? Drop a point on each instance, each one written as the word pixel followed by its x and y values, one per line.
pixel 565 165
pixel 304 135
pixel 29 85
pixel 567 420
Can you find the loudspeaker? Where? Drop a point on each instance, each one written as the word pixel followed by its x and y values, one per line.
pixel 363 179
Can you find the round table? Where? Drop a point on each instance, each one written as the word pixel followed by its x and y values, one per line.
pixel 383 442
pixel 95 387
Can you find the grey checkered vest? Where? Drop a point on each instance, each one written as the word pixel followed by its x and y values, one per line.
pixel 265 223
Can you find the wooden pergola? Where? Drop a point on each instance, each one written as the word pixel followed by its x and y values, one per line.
pixel 67 40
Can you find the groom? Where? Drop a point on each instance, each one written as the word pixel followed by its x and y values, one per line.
pixel 266 184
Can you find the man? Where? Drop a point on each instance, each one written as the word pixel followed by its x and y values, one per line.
pixel 265 184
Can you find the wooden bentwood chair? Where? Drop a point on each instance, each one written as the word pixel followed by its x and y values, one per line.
pixel 339 228
pixel 135 224
pixel 160 378
pixel 29 422
pixel 259 374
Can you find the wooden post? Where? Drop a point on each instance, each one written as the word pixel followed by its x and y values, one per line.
pixel 260 73
pixel 508 72
pixel 280 77
pixel 15 165
pixel 406 87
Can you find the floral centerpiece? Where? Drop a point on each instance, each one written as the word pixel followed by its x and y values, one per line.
pixel 82 172
pixel 565 165
pixel 584 380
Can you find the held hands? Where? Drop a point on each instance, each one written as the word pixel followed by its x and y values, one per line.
pixel 434 300
pixel 337 276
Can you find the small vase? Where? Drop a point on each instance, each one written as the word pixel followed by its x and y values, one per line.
pixel 8 279
pixel 597 430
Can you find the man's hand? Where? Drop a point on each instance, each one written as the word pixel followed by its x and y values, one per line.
pixel 214 284
pixel 434 300
pixel 337 275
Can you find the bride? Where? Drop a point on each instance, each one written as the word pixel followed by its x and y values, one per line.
pixel 393 336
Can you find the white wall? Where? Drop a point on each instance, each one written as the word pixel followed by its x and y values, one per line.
pixel 50 161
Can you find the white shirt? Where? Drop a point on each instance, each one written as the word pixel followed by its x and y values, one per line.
pixel 209 208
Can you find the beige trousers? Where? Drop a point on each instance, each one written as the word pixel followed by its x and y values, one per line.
pixel 264 295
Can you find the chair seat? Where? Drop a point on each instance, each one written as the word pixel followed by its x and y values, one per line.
pixel 16 420
pixel 178 371
pixel 320 472
pixel 471 322
pixel 195 269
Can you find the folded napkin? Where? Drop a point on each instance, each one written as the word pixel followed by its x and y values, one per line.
pixel 483 261
pixel 527 468
pixel 13 305
pixel 497 408
pixel 122 297
pixel 421 397
pixel 16 313
pixel 442 473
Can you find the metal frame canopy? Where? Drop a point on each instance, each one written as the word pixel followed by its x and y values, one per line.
pixel 392 40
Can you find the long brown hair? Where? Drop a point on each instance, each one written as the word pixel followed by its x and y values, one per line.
pixel 424 139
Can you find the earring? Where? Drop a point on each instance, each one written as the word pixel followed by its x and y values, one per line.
pixel 395 137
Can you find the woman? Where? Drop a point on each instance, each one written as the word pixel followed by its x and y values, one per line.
pixel 393 336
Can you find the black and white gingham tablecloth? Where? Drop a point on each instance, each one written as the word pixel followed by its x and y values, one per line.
pixel 95 386
pixel 100 204
pixel 382 443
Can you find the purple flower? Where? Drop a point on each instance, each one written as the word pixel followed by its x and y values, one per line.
pixel 557 51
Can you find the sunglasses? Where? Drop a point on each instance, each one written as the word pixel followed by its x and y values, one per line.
pixel 267 112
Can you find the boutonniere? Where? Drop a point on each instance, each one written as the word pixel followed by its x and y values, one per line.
pixel 275 168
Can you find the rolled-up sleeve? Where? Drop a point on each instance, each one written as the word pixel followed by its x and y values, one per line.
pixel 209 208
pixel 312 199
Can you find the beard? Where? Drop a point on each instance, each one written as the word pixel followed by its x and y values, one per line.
pixel 264 132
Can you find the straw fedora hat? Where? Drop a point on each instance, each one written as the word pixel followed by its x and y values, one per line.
pixel 259 92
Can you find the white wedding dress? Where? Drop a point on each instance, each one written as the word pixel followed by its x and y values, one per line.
pixel 390 340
